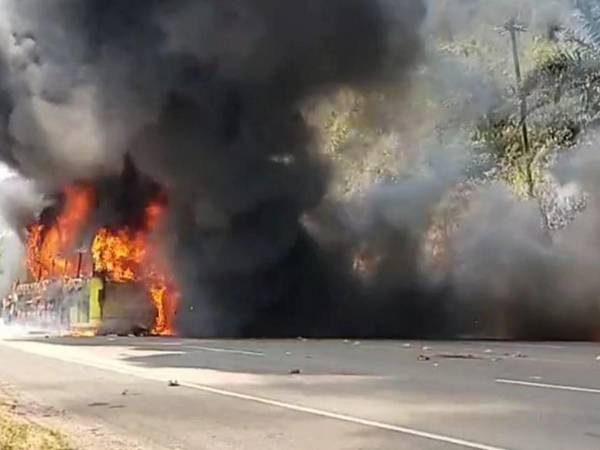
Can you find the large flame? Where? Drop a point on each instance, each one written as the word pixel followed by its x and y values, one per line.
pixel 120 255
pixel 126 255
pixel 50 251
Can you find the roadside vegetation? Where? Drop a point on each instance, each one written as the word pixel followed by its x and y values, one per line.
pixel 528 94
pixel 17 433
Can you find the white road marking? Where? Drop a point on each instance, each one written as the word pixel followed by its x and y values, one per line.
pixel 549 386
pixel 346 418
pixel 148 375
pixel 523 344
pixel 211 349
pixel 226 350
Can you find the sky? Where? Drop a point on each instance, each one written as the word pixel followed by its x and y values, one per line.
pixel 5 172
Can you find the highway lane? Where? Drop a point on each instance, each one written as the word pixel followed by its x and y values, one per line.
pixel 318 394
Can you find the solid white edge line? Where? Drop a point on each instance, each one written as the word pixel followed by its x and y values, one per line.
pixel 549 386
pixel 141 373
pixel 226 350
pixel 344 418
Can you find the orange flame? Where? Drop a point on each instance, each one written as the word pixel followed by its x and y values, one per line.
pixel 118 254
pixel 48 247
pixel 121 255
pixel 125 255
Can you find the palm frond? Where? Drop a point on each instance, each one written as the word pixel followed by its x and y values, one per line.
pixel 585 23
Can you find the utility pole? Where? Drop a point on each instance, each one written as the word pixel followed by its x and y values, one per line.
pixel 512 27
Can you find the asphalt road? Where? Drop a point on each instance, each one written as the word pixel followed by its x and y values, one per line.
pixel 248 394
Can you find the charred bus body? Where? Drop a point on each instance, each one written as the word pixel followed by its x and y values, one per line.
pixel 80 306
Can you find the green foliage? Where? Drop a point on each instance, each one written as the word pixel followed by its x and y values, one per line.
pixel 341 123
pixel 503 139
pixel 562 90
pixel 469 86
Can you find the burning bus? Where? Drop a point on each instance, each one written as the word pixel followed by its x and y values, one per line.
pixel 116 283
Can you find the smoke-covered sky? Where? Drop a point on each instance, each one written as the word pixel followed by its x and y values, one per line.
pixel 208 98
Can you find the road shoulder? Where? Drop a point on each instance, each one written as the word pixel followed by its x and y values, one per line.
pixel 28 425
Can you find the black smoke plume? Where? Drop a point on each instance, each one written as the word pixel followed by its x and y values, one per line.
pixel 202 98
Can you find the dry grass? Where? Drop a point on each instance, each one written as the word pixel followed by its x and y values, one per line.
pixel 18 434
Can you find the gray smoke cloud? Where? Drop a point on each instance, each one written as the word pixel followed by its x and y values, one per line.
pixel 511 277
pixel 515 280
pixel 19 203
pixel 206 99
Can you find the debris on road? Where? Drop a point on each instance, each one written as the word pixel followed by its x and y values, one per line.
pixel 515 355
pixel 140 331
pixel 97 404
pixel 458 356
pixel 173 383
